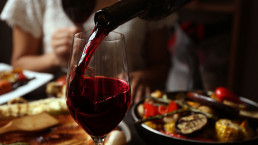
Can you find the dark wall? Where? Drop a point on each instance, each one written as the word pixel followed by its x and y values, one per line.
pixel 247 63
pixel 5 39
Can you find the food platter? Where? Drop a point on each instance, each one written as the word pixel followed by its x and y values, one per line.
pixel 66 132
pixel 38 80
pixel 155 136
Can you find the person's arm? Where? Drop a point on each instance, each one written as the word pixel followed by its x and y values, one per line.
pixel 158 60
pixel 27 54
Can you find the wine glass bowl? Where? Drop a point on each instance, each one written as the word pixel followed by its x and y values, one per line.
pixel 98 96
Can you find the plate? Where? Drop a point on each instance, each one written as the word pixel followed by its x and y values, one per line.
pixel 40 79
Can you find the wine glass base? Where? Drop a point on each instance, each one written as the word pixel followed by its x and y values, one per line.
pixel 98 140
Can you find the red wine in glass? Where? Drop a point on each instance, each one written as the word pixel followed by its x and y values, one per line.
pixel 102 106
pixel 78 10
pixel 98 90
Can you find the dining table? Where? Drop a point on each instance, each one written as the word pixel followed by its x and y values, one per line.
pixel 135 138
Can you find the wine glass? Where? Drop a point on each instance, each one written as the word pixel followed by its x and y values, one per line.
pixel 78 10
pixel 98 98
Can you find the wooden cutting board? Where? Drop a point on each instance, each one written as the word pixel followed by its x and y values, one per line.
pixel 66 133
pixel 30 123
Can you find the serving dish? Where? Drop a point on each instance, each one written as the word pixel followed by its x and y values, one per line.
pixel 38 80
pixel 152 136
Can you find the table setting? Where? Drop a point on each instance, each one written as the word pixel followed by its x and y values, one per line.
pixel 91 102
pixel 33 120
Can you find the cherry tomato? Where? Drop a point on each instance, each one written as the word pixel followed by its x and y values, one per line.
pixel 172 106
pixel 21 76
pixel 162 109
pixel 150 110
pixel 224 93
pixel 61 80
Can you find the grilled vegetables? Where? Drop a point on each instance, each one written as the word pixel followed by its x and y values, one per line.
pixel 191 117
pixel 12 79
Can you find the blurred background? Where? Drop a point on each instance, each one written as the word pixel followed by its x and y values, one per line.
pixel 224 33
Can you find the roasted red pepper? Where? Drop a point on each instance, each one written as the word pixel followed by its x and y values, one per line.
pixel 166 109
pixel 162 109
pixel 223 93
pixel 150 110
pixel 172 106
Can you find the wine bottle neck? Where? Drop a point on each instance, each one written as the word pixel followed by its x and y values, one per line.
pixel 124 10
pixel 119 13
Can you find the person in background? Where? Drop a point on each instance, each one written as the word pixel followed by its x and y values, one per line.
pixel 43 34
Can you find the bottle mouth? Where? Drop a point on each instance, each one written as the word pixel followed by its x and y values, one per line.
pixel 113 16
pixel 102 19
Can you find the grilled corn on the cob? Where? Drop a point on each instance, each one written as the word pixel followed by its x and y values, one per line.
pixel 227 131
pixel 170 127
pixel 153 125
pixel 50 105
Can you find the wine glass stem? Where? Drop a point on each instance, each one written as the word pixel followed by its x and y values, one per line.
pixel 98 140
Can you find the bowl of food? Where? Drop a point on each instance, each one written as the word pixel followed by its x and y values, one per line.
pixel 196 117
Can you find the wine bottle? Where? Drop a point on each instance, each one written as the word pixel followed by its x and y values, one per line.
pixel 125 10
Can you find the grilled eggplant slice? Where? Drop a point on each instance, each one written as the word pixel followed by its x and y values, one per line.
pixel 191 124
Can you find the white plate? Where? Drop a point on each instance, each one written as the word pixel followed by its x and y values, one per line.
pixel 40 79
pixel 126 130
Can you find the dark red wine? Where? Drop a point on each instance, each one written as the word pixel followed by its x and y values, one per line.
pixel 99 103
pixel 78 10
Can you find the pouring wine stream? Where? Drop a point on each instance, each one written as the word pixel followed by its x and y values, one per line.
pixel 97 36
